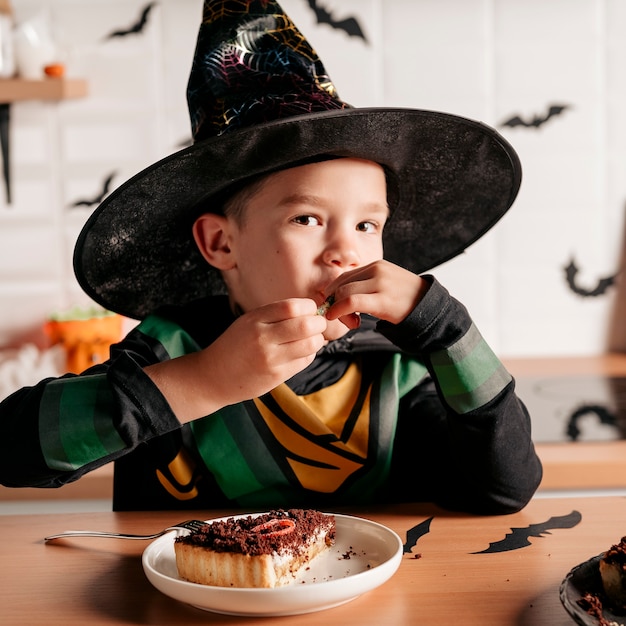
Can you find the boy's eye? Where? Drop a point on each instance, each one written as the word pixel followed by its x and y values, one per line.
pixel 367 227
pixel 306 220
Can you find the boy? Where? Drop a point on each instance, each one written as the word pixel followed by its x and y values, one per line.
pixel 290 352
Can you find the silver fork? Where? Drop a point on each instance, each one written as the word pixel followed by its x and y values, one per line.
pixel 192 525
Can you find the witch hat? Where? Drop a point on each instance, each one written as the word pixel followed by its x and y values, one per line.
pixel 260 101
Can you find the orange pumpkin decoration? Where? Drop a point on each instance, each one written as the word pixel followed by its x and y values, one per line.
pixel 86 341
pixel 54 70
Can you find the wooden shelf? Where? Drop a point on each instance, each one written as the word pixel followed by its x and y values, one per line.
pixel 17 89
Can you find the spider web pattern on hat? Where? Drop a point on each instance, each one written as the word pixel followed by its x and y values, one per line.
pixel 253 69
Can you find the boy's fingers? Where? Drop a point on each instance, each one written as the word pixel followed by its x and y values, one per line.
pixel 288 309
pixel 352 321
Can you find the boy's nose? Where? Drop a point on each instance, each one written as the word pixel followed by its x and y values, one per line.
pixel 341 253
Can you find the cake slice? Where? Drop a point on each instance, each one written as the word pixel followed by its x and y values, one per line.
pixel 613 574
pixel 264 551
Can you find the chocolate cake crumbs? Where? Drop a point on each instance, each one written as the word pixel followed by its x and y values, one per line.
pixel 264 534
pixel 617 553
pixel 350 552
pixel 592 604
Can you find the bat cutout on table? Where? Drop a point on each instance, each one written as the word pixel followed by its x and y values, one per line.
pixel 603 414
pixel 137 27
pixel 601 287
pixel 106 186
pixel 537 120
pixel 349 25
pixel 413 535
pixel 518 537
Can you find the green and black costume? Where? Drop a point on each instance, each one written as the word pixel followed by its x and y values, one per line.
pixel 421 411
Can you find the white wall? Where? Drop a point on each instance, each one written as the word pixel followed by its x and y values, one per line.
pixel 484 59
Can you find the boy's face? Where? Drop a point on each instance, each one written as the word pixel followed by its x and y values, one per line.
pixel 306 226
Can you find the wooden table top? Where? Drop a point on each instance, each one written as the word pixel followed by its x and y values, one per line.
pixel 445 577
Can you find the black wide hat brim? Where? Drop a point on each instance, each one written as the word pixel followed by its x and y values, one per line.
pixel 451 179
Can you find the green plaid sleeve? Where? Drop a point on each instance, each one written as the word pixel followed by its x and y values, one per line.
pixel 77 415
pixel 469 374
pixel 170 335
pixel 75 426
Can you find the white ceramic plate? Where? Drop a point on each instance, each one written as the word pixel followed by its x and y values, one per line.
pixel 365 555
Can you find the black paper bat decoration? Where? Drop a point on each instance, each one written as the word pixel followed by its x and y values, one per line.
pixel 348 25
pixel 99 198
pixel 603 284
pixel 413 535
pixel 537 120
pixel 602 413
pixel 137 27
pixel 518 537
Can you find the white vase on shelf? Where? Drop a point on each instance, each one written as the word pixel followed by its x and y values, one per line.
pixel 7 56
pixel 34 48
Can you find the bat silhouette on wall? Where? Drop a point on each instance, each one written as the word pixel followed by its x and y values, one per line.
pixel 137 27
pixel 106 186
pixel 413 535
pixel 518 537
pixel 602 286
pixel 603 414
pixel 349 25
pixel 537 120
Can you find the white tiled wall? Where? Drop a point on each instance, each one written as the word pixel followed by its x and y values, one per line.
pixel 484 59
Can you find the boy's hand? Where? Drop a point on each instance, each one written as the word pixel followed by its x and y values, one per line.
pixel 381 289
pixel 263 348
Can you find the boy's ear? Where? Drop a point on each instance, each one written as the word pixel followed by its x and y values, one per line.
pixel 211 233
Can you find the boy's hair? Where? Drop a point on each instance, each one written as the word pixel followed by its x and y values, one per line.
pixel 235 202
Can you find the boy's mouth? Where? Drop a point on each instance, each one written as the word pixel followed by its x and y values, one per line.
pixel 323 308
